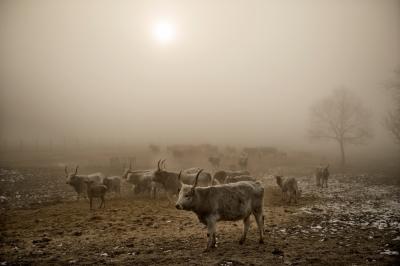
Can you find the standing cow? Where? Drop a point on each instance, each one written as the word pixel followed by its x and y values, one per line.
pixel 321 176
pixel 78 181
pixel 289 188
pixel 141 180
pixel 113 184
pixel 220 176
pixel 234 179
pixel 227 202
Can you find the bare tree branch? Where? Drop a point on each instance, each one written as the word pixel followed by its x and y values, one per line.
pixel 340 117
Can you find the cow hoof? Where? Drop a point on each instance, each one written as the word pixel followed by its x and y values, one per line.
pixel 261 241
pixel 241 241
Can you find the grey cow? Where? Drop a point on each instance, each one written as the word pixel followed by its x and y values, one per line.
pixel 227 202
pixel 141 180
pixel 171 181
pixel 221 175
pixel 321 176
pixel 78 181
pixel 95 190
pixel 113 184
pixel 188 176
pixel 234 179
pixel 289 188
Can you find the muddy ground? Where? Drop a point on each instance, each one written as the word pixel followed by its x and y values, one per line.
pixel 353 222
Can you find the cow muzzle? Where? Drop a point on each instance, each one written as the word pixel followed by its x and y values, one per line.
pixel 178 206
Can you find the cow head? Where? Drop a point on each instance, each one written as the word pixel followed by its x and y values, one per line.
pixel 186 199
pixel 160 174
pixel 70 176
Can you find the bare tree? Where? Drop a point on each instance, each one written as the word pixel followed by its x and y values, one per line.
pixel 340 117
pixel 392 119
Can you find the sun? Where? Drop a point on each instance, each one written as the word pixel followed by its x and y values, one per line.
pixel 164 32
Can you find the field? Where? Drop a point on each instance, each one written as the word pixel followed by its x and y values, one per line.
pixel 356 221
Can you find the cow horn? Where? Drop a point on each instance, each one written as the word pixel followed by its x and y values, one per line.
pixel 66 170
pixel 197 178
pixel 158 165
pixel 130 164
pixel 179 176
pixel 76 169
pixel 163 163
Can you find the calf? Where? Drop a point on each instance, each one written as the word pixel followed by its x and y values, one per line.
pixel 289 188
pixel 95 190
pixel 113 184
pixel 78 181
pixel 234 179
pixel 321 176
pixel 227 202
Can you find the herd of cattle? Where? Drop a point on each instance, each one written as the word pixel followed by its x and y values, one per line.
pixel 225 196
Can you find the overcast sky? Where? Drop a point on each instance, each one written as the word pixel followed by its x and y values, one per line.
pixel 236 72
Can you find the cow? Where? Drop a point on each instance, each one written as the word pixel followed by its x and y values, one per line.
pixel 234 179
pixel 78 181
pixel 321 176
pixel 289 188
pixel 220 176
pixel 113 184
pixel 141 180
pixel 226 202
pixel 188 176
pixel 168 180
pixel 96 190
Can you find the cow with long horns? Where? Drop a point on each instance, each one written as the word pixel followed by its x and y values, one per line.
pixel 227 202
pixel 142 180
pixel 78 181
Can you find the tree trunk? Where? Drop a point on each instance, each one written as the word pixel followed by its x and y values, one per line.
pixel 343 157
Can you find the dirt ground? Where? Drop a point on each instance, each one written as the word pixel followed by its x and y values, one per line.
pixel 353 222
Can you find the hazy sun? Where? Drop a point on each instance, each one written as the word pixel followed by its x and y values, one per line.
pixel 164 32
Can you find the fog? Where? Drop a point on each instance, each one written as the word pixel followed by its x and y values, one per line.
pixel 238 72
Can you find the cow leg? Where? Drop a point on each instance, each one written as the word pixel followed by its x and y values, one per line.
pixel 170 201
pixel 103 203
pixel 90 199
pixel 246 225
pixel 211 234
pixel 260 224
